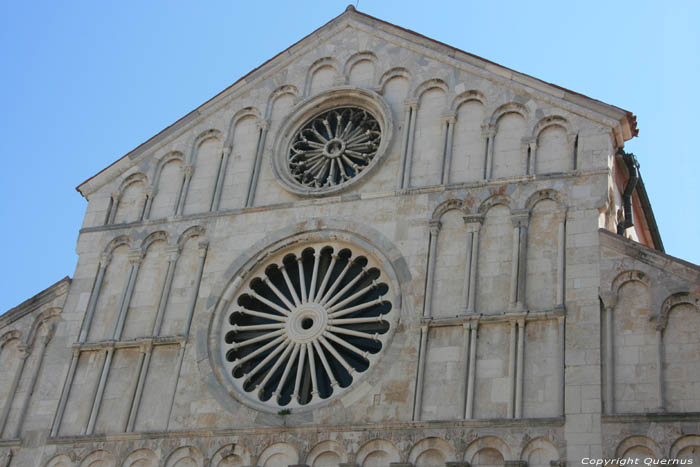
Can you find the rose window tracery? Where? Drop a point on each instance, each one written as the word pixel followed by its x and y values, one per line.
pixel 308 323
pixel 334 147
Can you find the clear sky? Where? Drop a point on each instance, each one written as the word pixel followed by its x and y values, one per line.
pixel 84 82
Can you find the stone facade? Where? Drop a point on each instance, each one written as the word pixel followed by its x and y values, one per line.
pixel 516 327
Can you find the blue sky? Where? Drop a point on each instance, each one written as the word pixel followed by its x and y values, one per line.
pixel 84 82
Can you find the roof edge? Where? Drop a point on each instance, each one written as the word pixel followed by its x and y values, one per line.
pixel 28 306
pixel 627 120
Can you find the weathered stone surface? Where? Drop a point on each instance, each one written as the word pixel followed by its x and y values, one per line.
pixel 525 332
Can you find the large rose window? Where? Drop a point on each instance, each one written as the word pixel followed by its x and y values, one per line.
pixel 306 324
pixel 334 147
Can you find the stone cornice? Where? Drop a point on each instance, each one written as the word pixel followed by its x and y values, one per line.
pixel 322 201
pixel 37 301
pixel 371 427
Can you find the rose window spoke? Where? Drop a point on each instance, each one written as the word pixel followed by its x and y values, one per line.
pixel 334 147
pixel 308 324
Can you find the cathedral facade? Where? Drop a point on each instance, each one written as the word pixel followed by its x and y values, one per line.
pixel 372 250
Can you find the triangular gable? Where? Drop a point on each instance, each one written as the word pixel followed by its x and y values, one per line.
pixel 627 120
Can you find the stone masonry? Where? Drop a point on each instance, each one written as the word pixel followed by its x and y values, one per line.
pixel 372 250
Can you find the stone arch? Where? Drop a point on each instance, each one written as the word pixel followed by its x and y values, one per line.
pixel 157 236
pixel 201 138
pixel 356 59
pixel 428 136
pixel 194 231
pixel 547 193
pixel 60 460
pixel 167 183
pixel 511 107
pixel 487 442
pixel 131 199
pixel 141 458
pixel 241 144
pixel 445 206
pixel 554 139
pixel 468 146
pixel 100 458
pixel 163 161
pixel 684 446
pixel 509 153
pixel 246 112
pixel 326 454
pixel 495 256
pixel 287 89
pixel 429 84
pixel 43 320
pixel 204 164
pixel 10 336
pixel 678 319
pixel 278 455
pixel 638 445
pixel 551 120
pixel 627 276
pixel 495 200
pixel 231 455
pixel 391 73
pixel 121 240
pixel 185 453
pixel 539 452
pixel 325 62
pixel 471 95
pixel 679 298
pixel 428 451
pixel 634 344
pixel 377 453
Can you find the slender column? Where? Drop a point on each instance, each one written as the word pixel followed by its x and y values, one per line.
pixel 173 254
pixel 218 188
pixel 519 258
pixel 105 259
pixel 660 366
pixel 562 363
pixel 446 151
pixel 150 194
pixel 561 265
pixel 188 170
pixel 409 149
pixel 46 332
pixel 180 358
pixel 511 368
pixel 23 354
pixel 145 353
pixel 116 197
pixel 429 278
pixel 264 127
pixel 203 247
pixel 135 258
pixel 473 224
pixel 473 328
pixel 522 264
pixel 97 401
pixel 530 144
pixel 489 132
pixel 464 383
pixel 418 402
pixel 65 392
pixel 515 256
pixel 407 110
pixel 571 139
pixel 609 301
pixel 519 371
